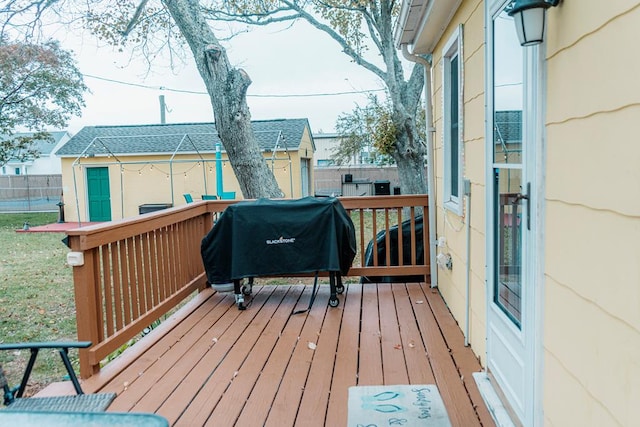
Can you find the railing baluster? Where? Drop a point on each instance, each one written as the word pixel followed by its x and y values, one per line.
pixel 413 233
pixel 363 244
pixel 400 238
pixel 374 232
pixel 117 285
pixel 139 282
pixel 387 238
pixel 153 267
pixel 132 280
pixel 108 289
pixel 146 262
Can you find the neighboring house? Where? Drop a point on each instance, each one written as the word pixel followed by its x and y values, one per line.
pixel 113 172
pixel 48 163
pixel 544 276
pixel 327 143
pixel 358 177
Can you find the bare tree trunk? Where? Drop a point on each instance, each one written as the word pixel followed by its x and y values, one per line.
pixel 410 148
pixel 227 88
pixel 411 175
pixel 409 157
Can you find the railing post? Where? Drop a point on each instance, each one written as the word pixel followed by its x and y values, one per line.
pixel 426 242
pixel 207 220
pixel 85 287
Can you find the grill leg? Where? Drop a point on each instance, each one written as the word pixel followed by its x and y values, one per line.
pixel 339 285
pixel 238 294
pixel 333 297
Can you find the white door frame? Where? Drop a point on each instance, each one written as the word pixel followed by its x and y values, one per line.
pixel 529 407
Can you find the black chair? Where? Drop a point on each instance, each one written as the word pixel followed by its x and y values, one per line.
pixel 74 403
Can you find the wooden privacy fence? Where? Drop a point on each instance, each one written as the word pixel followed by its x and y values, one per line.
pixel 24 193
pixel 134 271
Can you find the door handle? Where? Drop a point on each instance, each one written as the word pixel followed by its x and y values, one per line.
pixel 527 197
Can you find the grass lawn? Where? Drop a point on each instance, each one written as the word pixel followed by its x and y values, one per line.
pixel 36 297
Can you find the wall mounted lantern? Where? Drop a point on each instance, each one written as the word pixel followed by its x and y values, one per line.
pixel 530 19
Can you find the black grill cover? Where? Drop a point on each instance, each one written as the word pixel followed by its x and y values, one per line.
pixel 276 237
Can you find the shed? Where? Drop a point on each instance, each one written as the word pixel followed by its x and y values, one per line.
pixel 108 172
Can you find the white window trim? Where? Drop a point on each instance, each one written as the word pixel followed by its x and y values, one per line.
pixel 451 49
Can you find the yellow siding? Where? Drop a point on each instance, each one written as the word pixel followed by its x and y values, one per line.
pixel 452 284
pixel 305 151
pixel 592 255
pixel 573 21
pixel 594 356
pixel 581 410
pixel 583 78
pixel 606 173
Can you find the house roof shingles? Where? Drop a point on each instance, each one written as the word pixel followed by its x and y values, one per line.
pixel 171 138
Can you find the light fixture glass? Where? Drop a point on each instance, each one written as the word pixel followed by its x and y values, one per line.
pixel 530 19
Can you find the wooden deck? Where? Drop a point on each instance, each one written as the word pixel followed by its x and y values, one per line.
pixel 211 364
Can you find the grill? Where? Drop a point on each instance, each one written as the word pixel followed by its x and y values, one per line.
pixel 278 238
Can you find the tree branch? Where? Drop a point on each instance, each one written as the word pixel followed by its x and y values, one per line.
pixel 292 12
pixel 414 85
pixel 134 19
pixel 346 48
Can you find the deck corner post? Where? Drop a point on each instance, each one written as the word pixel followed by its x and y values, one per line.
pixel 86 282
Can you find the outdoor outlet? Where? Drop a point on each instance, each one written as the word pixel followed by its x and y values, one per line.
pixel 75 259
pixel 467 187
pixel 444 261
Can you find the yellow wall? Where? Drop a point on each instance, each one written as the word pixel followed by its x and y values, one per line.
pixel 452 284
pixel 147 179
pixel 592 290
pixel 289 174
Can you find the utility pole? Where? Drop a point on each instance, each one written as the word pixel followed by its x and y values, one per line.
pixel 163 110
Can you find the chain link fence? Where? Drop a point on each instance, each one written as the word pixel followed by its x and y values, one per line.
pixel 30 193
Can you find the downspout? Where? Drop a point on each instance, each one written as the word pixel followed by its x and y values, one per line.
pixel 467 218
pixel 430 161
pixel 75 190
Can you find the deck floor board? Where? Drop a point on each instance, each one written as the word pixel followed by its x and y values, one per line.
pixel 265 366
pixel 394 365
pixel 345 371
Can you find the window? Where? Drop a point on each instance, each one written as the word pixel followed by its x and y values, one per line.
pixel 325 162
pixel 17 171
pixel 452 61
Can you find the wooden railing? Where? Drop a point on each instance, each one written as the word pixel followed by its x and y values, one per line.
pixel 137 270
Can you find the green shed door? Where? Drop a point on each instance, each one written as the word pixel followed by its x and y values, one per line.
pixel 98 194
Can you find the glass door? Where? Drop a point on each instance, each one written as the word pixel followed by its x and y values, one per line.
pixel 511 145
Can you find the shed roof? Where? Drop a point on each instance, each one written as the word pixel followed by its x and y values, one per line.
pixel 181 138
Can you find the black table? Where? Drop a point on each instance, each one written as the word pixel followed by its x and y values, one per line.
pixel 280 237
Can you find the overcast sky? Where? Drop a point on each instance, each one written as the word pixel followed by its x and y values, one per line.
pixel 296 60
